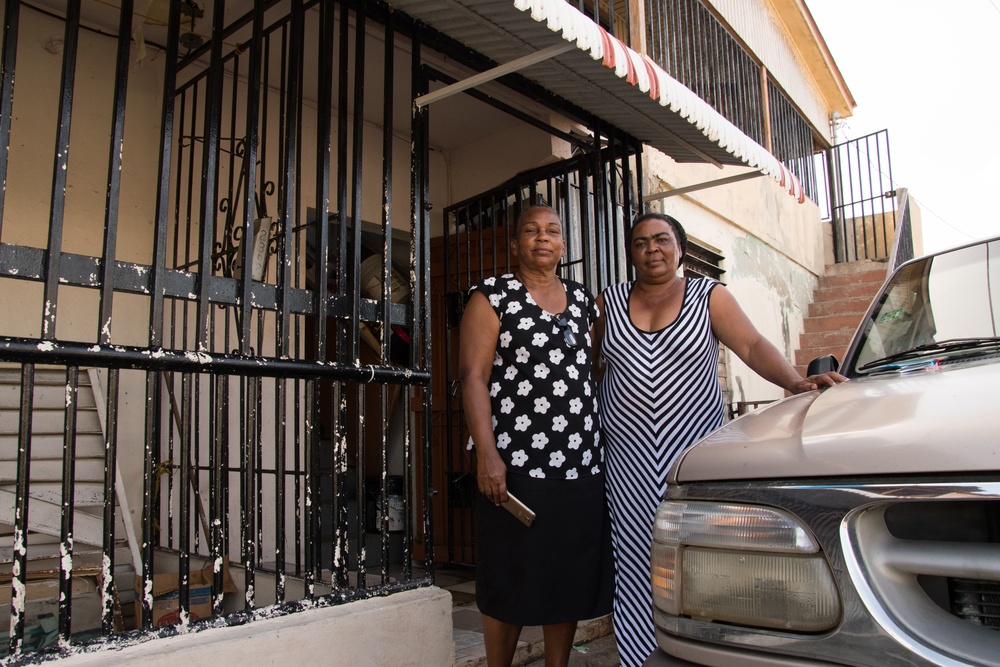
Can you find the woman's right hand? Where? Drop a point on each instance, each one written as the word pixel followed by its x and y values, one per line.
pixel 491 473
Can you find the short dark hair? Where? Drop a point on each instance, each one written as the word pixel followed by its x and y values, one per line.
pixel 534 207
pixel 679 233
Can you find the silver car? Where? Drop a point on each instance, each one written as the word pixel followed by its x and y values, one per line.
pixel 860 524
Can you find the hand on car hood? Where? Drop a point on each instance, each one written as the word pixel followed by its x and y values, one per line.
pixel 931 421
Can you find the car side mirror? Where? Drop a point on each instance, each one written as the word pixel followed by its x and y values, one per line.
pixel 825 364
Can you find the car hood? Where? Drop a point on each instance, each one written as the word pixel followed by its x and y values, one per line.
pixel 945 420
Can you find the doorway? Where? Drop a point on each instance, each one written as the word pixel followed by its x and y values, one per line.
pixel 591 195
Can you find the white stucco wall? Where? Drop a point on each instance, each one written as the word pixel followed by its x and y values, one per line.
pixel 409 628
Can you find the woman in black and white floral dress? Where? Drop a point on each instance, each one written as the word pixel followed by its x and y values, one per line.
pixel 530 403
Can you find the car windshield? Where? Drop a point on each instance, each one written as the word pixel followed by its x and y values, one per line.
pixel 943 307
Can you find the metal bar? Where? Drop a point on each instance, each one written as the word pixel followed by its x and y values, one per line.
pixel 150 504
pixel 218 506
pixel 60 169
pixel 728 180
pixel 627 180
pixel 290 129
pixel 248 530
pixel 857 194
pixel 68 504
pixel 209 172
pixel 495 73
pixel 250 198
pixel 183 157
pixel 19 566
pixel 354 282
pixel 340 551
pixel 163 189
pixel 232 247
pixel 587 226
pixel 613 203
pixel 110 502
pixel 323 136
pixel 301 414
pixel 387 269
pixel 24 350
pixel 638 204
pixel 420 123
pixel 833 181
pixel 184 518
pixel 114 173
pixel 256 474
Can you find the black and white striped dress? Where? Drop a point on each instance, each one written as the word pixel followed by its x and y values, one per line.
pixel 659 395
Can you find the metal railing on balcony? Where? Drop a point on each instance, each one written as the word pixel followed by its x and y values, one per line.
pixel 863 201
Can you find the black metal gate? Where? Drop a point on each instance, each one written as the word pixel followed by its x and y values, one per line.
pixel 259 344
pixel 862 198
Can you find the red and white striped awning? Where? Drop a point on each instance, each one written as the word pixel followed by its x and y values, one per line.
pixel 601 75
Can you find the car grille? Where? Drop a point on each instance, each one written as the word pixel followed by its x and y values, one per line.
pixel 975 601
pixel 919 563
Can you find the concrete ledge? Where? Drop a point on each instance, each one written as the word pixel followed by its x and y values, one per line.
pixel 409 628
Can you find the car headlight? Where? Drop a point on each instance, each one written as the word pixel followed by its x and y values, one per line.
pixel 741 564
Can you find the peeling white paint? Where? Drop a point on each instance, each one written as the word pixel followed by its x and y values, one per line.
pixel 46 346
pixel 107 577
pixel 66 555
pixel 19 596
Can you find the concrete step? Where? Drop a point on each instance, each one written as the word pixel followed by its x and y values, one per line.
pixel 855 305
pixel 849 274
pixel 831 323
pixel 852 291
pixel 827 338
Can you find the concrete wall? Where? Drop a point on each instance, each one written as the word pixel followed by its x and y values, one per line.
pixel 409 628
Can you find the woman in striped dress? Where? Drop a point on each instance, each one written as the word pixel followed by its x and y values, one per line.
pixel 658 338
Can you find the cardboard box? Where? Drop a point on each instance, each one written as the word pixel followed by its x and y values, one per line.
pixel 166 595
pixel 41 609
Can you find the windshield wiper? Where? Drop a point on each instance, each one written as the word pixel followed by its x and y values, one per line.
pixel 949 345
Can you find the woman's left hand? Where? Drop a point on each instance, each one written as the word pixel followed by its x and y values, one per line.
pixel 819 380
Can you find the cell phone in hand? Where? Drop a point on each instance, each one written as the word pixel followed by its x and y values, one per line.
pixel 519 510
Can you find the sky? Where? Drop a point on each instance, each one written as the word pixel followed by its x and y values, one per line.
pixel 929 72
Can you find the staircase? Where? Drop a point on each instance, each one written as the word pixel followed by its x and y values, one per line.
pixel 840 301
pixel 42 542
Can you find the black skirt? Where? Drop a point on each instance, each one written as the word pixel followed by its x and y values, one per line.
pixel 558 570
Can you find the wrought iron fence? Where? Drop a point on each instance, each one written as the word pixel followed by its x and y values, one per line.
pixel 215 396
pixel 862 198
